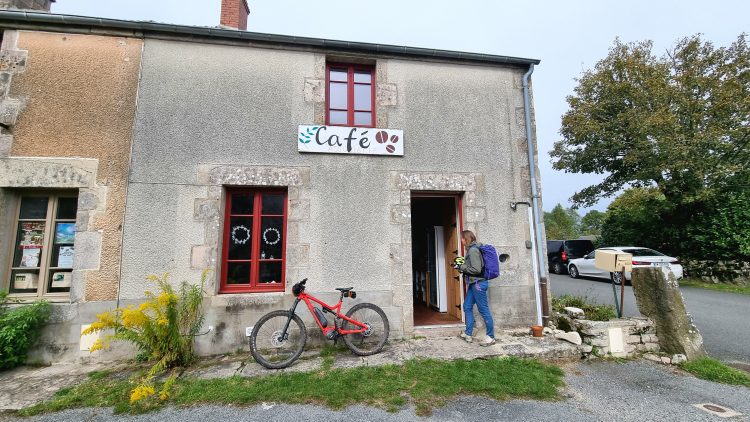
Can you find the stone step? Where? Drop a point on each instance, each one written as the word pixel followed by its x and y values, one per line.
pixel 438 331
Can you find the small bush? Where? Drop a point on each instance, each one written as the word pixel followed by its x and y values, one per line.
pixel 19 328
pixel 593 311
pixel 162 328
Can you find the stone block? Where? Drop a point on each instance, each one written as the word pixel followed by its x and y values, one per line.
pixel 574 312
pixel 665 360
pixel 299 210
pixel 649 338
pixel 475 214
pixel 88 250
pixel 314 90
pixel 648 347
pixel 202 257
pixel 6 141
pixel 298 255
pixel 599 342
pixel 659 298
pixel 678 359
pixel 571 337
pixel 206 209
pixel 587 348
pixel 652 357
pixel 633 339
pixel 9 109
pixel 387 94
pixel 401 214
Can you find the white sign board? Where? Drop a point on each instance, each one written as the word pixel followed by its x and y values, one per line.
pixel 350 140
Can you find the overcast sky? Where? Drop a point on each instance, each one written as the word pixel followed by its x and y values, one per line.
pixel 567 36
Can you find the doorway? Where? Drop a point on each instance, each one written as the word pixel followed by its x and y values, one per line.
pixel 437 290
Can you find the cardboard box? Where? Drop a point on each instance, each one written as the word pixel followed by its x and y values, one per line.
pixel 613 261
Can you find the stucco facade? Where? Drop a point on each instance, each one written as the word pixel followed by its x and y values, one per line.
pixel 69 104
pixel 227 116
pixel 152 129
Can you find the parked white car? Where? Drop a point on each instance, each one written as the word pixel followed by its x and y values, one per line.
pixel 642 257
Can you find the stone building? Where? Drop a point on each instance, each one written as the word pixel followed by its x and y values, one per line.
pixel 137 148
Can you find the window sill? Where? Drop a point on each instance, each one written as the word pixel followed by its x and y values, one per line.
pixel 20 299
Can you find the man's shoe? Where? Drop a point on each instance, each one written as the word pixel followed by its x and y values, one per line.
pixel 467 338
pixel 488 341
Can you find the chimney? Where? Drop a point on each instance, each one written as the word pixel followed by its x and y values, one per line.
pixel 34 5
pixel 233 14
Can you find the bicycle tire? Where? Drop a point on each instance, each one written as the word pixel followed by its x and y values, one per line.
pixel 267 350
pixel 367 344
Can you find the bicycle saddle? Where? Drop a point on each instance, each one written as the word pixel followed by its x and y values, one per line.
pixel 344 289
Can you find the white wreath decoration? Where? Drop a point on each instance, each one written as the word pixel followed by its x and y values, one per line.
pixel 265 236
pixel 234 235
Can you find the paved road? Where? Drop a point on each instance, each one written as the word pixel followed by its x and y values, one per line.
pixel 596 391
pixel 722 318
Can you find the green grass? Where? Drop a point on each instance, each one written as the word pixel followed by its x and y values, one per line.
pixel 427 383
pixel 593 311
pixel 722 287
pixel 713 370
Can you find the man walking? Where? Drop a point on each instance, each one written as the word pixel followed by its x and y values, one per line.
pixel 476 292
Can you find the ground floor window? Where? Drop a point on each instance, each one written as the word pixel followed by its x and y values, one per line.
pixel 254 246
pixel 44 246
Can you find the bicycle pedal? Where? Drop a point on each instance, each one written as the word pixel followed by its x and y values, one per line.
pixel 332 335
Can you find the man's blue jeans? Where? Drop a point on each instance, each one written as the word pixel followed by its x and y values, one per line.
pixel 477 293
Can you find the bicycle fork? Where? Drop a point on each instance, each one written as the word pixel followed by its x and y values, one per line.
pixel 284 336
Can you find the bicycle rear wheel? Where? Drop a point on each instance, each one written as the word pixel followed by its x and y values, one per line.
pixel 373 339
pixel 269 348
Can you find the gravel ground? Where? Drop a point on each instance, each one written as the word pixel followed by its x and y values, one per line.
pixel 598 391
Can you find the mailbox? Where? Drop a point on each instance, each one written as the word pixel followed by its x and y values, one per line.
pixel 613 261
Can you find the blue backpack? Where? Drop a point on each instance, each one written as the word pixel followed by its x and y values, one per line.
pixel 490 261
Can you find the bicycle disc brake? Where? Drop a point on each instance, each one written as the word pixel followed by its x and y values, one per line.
pixel 276 339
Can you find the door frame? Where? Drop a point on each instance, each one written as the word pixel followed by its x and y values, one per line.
pixel 458 208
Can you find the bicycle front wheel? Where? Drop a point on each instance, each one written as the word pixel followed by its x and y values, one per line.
pixel 273 349
pixel 373 339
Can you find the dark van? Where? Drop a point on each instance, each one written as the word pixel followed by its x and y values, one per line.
pixel 560 252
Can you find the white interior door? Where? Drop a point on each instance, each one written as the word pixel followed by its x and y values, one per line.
pixel 440 269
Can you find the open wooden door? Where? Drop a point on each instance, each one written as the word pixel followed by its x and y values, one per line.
pixel 453 277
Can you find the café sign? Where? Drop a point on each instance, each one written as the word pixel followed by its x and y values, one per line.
pixel 350 140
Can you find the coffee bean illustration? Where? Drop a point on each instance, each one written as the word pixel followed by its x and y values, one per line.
pixel 390 148
pixel 381 137
pixel 394 139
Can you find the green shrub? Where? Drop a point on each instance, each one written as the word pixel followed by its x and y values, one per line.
pixel 19 328
pixel 162 328
pixel 593 311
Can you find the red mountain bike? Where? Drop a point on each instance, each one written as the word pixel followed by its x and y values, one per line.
pixel 279 337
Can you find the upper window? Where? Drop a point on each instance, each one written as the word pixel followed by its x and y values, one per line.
pixel 350 98
pixel 254 241
pixel 44 245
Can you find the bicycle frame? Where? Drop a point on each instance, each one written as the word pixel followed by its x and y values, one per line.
pixel 335 310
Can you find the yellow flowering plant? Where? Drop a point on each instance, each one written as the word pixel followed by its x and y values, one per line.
pixel 162 328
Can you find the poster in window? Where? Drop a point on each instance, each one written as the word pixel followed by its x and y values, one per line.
pixel 30 257
pixel 65 233
pixel 32 236
pixel 65 257
pixel 61 280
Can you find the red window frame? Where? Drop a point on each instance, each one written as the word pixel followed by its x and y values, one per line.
pixel 255 260
pixel 350 69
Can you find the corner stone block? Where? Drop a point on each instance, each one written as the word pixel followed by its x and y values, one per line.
pixel 475 214
pixel 401 214
pixel 298 255
pixel 206 209
pixel 9 109
pixel 314 92
pixel 88 250
pixel 202 257
pixel 299 210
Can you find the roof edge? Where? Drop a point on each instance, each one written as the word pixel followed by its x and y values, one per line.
pixel 144 29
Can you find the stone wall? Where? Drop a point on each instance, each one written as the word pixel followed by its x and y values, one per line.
pixel 619 337
pixel 734 272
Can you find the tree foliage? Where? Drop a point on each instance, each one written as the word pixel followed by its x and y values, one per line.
pixel 561 223
pixel 592 222
pixel 678 121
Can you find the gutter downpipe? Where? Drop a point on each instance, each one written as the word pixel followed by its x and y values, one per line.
pixel 541 285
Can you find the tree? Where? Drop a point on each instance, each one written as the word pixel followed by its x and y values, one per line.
pixel 678 122
pixel 561 223
pixel 633 219
pixel 592 223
